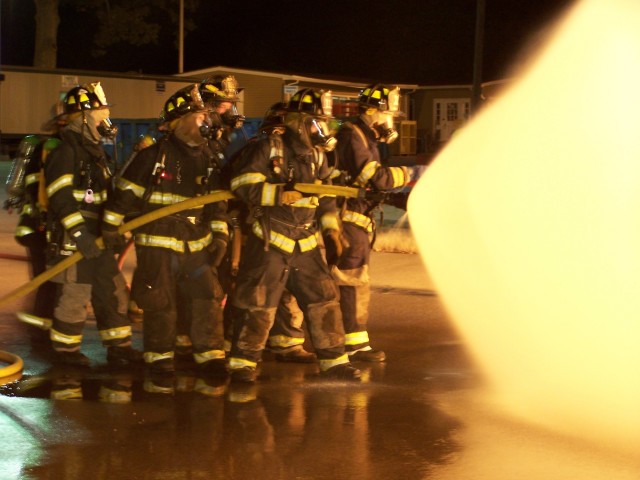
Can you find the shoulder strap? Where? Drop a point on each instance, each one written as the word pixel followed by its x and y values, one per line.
pixel 50 144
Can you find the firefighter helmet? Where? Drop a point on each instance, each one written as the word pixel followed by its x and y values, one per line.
pixel 308 101
pixel 219 89
pixel 89 96
pixel 274 118
pixel 186 100
pixel 380 97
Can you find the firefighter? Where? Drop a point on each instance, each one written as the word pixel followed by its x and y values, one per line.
pixel 286 337
pixel 282 249
pixel 359 158
pixel 175 254
pixel 25 194
pixel 219 95
pixel 77 180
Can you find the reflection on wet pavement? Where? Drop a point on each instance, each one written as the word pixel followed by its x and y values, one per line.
pixel 292 424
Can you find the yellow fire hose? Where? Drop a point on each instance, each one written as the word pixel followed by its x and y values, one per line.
pixel 14 361
pixel 124 228
pixel 194 202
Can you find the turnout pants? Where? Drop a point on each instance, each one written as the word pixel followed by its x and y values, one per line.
pixel 352 276
pixel 162 279
pixel 99 281
pixel 262 279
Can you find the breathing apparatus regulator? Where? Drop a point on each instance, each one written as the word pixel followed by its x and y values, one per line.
pixel 378 106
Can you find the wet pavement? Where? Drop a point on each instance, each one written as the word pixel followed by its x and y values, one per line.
pixel 103 423
pixel 422 414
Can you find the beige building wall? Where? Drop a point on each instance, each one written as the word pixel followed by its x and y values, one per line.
pixel 28 97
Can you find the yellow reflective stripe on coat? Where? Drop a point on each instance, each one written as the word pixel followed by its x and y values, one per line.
pixel 236 362
pixel 150 357
pixel 124 184
pixel 172 243
pixel 219 226
pixel 367 172
pixel 400 176
pixel 285 243
pixel 32 178
pixel 284 341
pixel 112 218
pixel 167 198
pixel 309 243
pixel 22 231
pixel 115 333
pixel 72 220
pixel 145 240
pixel 247 179
pixel 356 338
pixel 59 183
pixel 27 209
pixel 200 244
pixel 59 337
pixel 203 357
pixel 358 219
pixel 327 363
pixel 268 197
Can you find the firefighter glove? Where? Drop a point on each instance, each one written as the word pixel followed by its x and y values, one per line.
pixel 113 240
pixel 86 243
pixel 287 197
pixel 334 243
pixel 217 251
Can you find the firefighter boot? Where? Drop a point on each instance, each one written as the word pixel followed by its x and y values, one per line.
pixel 74 359
pixel 297 355
pixel 244 375
pixel 344 371
pixel 367 354
pixel 118 356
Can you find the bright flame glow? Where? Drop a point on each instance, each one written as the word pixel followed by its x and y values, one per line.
pixel 529 224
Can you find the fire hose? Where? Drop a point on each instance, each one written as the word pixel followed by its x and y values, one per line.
pixel 309 188
pixel 124 228
pixel 14 361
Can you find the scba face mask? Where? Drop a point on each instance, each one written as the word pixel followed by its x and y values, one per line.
pixel 321 136
pixel 107 129
pixel 99 125
pixel 382 123
pixel 232 118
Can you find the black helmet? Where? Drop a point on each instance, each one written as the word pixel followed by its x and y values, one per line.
pixel 274 118
pixel 380 97
pixel 89 96
pixel 186 100
pixel 219 89
pixel 307 101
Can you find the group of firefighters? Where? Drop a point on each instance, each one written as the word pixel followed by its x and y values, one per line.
pixel 227 277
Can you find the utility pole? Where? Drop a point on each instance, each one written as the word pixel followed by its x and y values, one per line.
pixel 181 39
pixel 476 91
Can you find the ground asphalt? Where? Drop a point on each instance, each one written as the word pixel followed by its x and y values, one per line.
pixel 418 415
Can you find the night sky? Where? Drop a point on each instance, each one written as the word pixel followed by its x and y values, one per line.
pixel 426 42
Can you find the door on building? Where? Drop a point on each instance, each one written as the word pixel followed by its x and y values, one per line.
pixel 449 114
